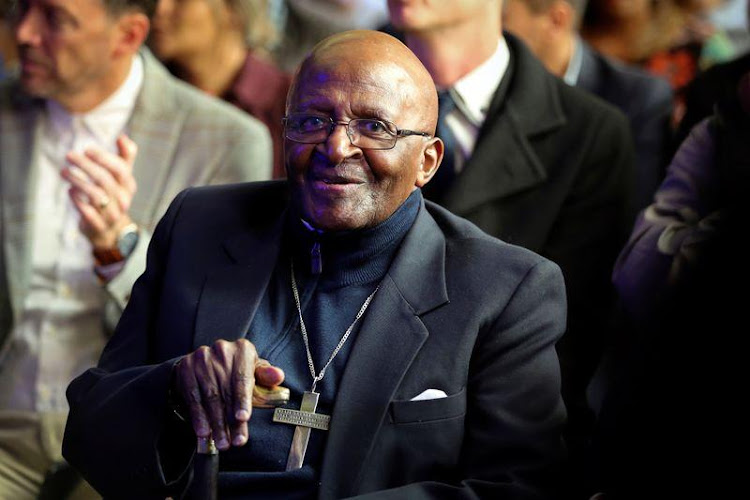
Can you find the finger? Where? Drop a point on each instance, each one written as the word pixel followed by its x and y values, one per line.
pixel 91 218
pixel 242 390
pixel 104 170
pixel 268 375
pixel 244 379
pixel 127 148
pixel 211 396
pixel 191 394
pixel 97 196
pixel 115 166
pixel 225 354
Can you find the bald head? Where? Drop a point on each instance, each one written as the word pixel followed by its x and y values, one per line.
pixel 362 53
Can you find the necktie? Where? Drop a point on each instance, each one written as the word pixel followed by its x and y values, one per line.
pixel 436 188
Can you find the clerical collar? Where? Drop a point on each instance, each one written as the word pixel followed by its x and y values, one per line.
pixel 351 257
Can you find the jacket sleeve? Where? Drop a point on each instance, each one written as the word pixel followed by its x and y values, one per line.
pixel 119 412
pixel 670 232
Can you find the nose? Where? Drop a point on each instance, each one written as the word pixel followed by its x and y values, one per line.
pixel 339 146
pixel 28 27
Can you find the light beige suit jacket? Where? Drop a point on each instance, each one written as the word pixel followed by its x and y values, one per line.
pixel 185 138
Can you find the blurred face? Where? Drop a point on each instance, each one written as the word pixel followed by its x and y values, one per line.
pixel 66 47
pixel 418 15
pixel 530 27
pixel 626 9
pixel 183 28
pixel 338 186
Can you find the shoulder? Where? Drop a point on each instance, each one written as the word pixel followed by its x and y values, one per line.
pixel 627 84
pixel 577 109
pixel 166 94
pixel 480 254
pixel 241 197
pixel 214 210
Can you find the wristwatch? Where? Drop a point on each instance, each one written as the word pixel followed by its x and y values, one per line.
pixel 126 242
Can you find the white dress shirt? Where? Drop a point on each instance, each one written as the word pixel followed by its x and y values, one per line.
pixel 60 333
pixel 473 95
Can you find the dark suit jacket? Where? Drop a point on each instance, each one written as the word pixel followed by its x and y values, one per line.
pixel 647 102
pixel 457 310
pixel 552 171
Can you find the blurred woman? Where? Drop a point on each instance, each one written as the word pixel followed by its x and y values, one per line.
pixel 221 47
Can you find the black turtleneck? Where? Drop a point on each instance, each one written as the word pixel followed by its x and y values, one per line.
pixel 351 265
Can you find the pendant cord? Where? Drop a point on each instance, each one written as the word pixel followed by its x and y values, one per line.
pixel 317 378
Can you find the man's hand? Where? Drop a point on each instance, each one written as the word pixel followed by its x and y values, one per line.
pixel 102 189
pixel 217 385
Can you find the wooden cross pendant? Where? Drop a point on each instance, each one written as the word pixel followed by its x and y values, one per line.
pixel 305 419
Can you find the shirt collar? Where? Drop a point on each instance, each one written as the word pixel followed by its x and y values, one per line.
pixel 109 118
pixel 473 93
pixel 574 65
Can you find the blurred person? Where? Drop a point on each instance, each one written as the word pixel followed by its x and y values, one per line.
pixel 717 83
pixel 550 29
pixel 672 39
pixel 221 47
pixel 426 345
pixel 535 162
pixel 8 56
pixel 96 139
pixel 303 23
pixel 674 406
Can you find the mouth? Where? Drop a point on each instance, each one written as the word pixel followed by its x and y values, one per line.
pixel 339 180
pixel 335 184
pixel 30 64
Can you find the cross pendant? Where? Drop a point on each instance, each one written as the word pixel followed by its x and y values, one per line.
pixel 305 419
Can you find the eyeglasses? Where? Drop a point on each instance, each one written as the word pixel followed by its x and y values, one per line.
pixel 365 133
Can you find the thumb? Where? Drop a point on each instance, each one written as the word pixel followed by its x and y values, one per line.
pixel 268 375
pixel 127 148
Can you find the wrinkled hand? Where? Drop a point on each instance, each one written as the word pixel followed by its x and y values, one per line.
pixel 217 384
pixel 102 188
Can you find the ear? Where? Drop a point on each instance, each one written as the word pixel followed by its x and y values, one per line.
pixel 132 30
pixel 562 16
pixel 432 155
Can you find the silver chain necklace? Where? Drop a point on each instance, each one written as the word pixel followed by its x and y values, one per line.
pixel 305 419
pixel 317 378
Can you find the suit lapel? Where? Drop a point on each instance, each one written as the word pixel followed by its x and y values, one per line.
pixel 19 137
pixel 155 125
pixel 504 161
pixel 389 339
pixel 231 294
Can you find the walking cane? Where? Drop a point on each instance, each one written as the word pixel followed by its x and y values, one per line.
pixel 204 485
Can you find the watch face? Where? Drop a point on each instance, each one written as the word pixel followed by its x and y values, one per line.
pixel 127 242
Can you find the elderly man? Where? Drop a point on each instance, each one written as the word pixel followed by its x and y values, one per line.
pixel 74 230
pixel 420 348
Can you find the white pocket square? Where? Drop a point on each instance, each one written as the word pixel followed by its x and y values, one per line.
pixel 430 394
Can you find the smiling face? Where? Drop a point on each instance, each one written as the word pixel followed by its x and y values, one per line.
pixel 338 186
